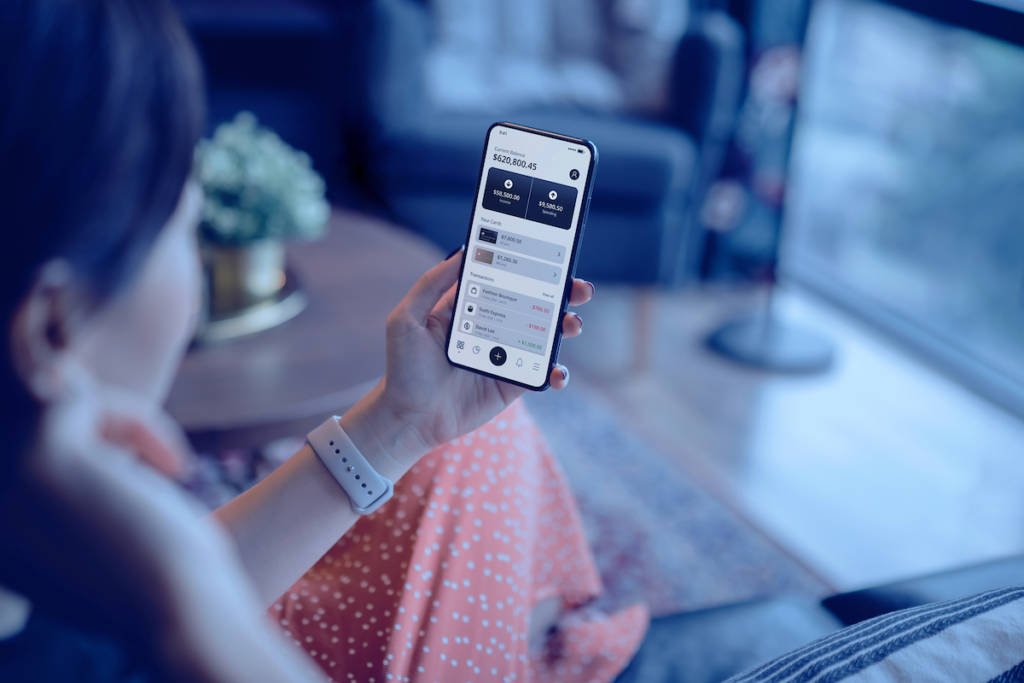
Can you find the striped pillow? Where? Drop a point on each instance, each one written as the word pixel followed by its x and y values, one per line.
pixel 980 638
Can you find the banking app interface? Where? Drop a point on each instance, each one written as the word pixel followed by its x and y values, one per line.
pixel 524 223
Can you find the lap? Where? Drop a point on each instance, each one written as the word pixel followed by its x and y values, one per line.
pixel 443 577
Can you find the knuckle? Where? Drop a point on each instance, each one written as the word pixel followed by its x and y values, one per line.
pixel 397 322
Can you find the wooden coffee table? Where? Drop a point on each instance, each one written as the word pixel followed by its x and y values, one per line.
pixel 282 382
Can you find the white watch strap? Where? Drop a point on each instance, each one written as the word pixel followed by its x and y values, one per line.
pixel 365 487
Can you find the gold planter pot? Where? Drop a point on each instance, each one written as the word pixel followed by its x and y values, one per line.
pixel 242 276
pixel 248 290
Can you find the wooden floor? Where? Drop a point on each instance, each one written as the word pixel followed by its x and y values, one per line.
pixel 879 469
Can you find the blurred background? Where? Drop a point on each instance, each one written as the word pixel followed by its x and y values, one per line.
pixel 804 371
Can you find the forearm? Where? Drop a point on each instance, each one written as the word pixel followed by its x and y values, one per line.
pixel 284 524
pixel 211 604
pixel 194 647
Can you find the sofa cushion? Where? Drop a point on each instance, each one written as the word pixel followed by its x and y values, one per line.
pixel 640 162
pixel 492 55
pixel 859 605
pixel 978 638
pixel 713 644
pixel 604 256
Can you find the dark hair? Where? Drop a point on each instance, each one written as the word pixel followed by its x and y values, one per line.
pixel 101 107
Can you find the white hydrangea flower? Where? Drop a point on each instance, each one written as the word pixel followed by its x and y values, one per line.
pixel 257 187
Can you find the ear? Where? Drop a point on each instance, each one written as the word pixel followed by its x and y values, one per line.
pixel 41 330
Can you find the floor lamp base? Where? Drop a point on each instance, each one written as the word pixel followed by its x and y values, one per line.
pixel 769 344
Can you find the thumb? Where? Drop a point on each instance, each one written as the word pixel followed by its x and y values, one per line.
pixel 424 295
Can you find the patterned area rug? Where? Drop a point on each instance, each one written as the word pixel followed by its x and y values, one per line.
pixel 656 536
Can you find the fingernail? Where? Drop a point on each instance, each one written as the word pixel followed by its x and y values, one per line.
pixel 565 373
pixel 593 289
pixel 579 319
pixel 457 250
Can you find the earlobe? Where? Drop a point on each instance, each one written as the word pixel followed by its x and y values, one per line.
pixel 40 331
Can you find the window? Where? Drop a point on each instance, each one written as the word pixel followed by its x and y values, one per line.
pixel 906 196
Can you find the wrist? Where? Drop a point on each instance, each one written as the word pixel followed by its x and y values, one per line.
pixel 390 444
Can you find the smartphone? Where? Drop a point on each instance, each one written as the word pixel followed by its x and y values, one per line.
pixel 531 205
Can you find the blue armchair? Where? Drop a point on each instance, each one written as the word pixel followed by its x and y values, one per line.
pixel 346 81
pixel 420 160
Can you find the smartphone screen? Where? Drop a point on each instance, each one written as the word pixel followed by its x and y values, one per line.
pixel 525 231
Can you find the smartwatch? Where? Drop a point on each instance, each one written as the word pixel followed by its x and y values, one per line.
pixel 366 488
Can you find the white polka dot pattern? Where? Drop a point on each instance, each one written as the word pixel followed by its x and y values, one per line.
pixel 438 585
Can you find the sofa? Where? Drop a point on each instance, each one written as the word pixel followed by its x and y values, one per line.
pixel 278 59
pixel 428 103
pixel 712 644
pixel 359 86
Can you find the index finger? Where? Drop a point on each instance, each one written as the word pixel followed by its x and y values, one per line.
pixel 424 295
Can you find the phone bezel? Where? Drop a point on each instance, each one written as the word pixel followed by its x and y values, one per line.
pixel 567 289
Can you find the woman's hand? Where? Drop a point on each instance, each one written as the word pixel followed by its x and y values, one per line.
pixel 422 395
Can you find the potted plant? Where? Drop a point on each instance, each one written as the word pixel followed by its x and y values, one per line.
pixel 259 193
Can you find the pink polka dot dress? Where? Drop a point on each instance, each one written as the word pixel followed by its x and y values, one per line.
pixel 439 584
